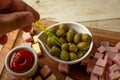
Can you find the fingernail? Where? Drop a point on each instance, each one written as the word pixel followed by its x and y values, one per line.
pixel 29 18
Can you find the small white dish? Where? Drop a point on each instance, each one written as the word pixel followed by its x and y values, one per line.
pixel 28 73
pixel 78 27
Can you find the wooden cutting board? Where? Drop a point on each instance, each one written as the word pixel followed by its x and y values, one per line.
pixel 76 71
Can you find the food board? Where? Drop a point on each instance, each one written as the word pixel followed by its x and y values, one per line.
pixel 76 71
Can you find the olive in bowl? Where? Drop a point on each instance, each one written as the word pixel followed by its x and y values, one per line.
pixel 76 42
pixel 21 61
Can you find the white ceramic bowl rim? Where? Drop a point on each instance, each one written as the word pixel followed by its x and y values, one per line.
pixel 10 53
pixel 67 62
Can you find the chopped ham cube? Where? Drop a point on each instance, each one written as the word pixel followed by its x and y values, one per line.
pixel 51 77
pixel 110 55
pixel 114 75
pixel 45 71
pixel 106 43
pixel 85 61
pixel 98 70
pixel 68 78
pixel 27 37
pixel 93 77
pixel 63 68
pixel 102 77
pixel 101 49
pixel 118 45
pixel 114 49
pixel 113 68
pixel 116 59
pixel 90 66
pixel 29 44
pixel 98 55
pixel 102 63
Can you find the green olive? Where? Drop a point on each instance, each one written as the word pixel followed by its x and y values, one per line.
pixel 77 38
pixel 63 40
pixel 65 46
pixel 73 56
pixel 53 29
pixel 72 30
pixel 64 27
pixel 64 55
pixel 69 36
pixel 55 51
pixel 73 48
pixel 86 38
pixel 48 42
pixel 83 45
pixel 54 43
pixel 80 54
pixel 60 32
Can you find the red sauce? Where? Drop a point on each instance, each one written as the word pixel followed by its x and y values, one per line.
pixel 21 60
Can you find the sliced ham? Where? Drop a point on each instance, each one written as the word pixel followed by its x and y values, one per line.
pixel 98 70
pixel 45 71
pixel 101 49
pixel 102 63
pixel 63 68
pixel 113 68
pixel 114 75
pixel 93 77
pixel 27 37
pixel 105 43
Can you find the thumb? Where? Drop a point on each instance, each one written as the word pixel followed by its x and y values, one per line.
pixel 10 22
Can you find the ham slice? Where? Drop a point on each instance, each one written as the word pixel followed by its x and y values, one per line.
pixel 27 37
pixel 45 71
pixel 63 68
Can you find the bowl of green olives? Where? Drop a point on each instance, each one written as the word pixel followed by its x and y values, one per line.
pixel 76 42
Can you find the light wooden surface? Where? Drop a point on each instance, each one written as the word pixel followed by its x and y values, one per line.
pixel 76 10
pixel 101 14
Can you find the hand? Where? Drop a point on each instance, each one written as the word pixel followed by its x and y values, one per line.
pixel 15 14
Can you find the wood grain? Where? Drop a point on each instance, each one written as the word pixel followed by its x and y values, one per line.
pixel 76 71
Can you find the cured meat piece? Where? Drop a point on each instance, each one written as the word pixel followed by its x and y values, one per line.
pixel 114 75
pixel 106 43
pixel 116 59
pixel 98 55
pixel 101 49
pixel 91 65
pixel 118 45
pixel 45 71
pixel 113 68
pixel 93 77
pixel 101 63
pixel 63 68
pixel 114 49
pixel 98 71
pixel 102 77
pixel 29 44
pixel 27 37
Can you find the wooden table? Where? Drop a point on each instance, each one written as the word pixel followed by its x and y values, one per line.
pixel 76 71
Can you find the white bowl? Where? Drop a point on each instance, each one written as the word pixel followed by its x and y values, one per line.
pixel 78 27
pixel 28 73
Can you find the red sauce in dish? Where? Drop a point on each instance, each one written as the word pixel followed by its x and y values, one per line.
pixel 21 60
